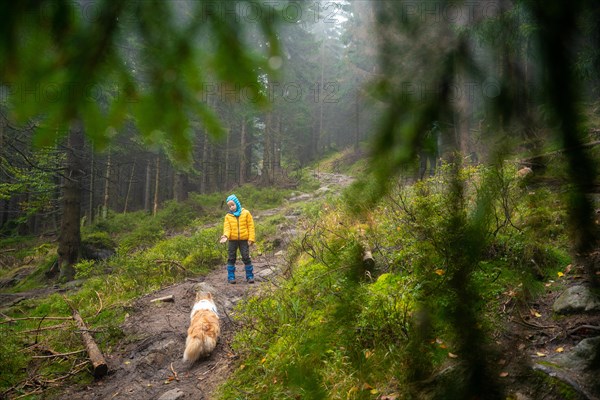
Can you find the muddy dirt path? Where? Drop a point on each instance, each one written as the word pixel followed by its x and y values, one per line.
pixel 148 363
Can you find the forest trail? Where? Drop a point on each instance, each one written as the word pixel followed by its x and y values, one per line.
pixel 148 363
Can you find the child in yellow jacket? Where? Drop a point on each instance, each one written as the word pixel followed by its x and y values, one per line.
pixel 238 228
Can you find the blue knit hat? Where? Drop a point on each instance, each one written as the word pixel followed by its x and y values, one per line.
pixel 238 210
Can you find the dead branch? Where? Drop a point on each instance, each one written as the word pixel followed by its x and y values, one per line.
pixel 210 369
pixel 60 354
pixel 99 299
pixel 170 298
pixel 174 373
pixel 94 353
pixel 9 320
pixel 46 328
pixel 173 262
pixel 36 391
pixel 530 160
pixel 74 371
pixel 592 327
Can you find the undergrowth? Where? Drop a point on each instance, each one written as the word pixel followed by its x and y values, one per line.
pixel 339 328
pixel 150 253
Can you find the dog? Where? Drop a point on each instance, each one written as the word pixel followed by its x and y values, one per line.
pixel 204 328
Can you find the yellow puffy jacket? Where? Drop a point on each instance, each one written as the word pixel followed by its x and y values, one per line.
pixel 239 228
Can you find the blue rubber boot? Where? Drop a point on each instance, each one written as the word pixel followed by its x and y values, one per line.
pixel 249 273
pixel 231 273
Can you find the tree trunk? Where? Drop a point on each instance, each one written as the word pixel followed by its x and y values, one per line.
pixel 277 172
pixel 147 186
pixel 156 186
pixel 106 187
pixel 91 200
pixel 226 163
pixel 243 167
pixel 129 187
pixel 180 186
pixel 357 110
pixel 205 162
pixel 321 86
pixel 69 239
pixel 267 156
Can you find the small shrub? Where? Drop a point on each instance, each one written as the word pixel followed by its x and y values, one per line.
pixel 143 236
pixel 175 214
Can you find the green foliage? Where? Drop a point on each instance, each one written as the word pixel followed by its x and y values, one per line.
pixel 119 224
pixel 39 184
pixel 254 198
pixel 176 215
pixel 98 239
pixel 85 269
pixel 12 358
pixel 142 236
pixel 92 76
pixel 332 329
pixel 36 278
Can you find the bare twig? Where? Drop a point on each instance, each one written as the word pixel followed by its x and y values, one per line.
pixel 172 262
pixel 74 371
pixel 46 328
pixel 174 373
pixel 9 320
pixel 211 369
pixel 100 299
pixel 60 354
pixel 169 298
pixel 592 327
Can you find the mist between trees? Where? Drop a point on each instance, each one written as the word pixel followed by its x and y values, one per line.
pixel 137 103
pixel 290 92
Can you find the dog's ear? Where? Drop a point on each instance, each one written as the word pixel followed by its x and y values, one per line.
pixel 203 296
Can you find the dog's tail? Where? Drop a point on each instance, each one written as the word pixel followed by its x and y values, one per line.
pixel 196 347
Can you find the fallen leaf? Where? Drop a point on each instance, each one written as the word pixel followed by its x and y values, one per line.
pixel 560 274
pixel 374 391
pixel 501 362
pixel 368 353
pixel 540 354
pixel 538 315
pixel 440 272
pixel 560 350
pixel 503 374
pixel 366 386
pixel 242 366
pixel 392 396
pixel 452 355
pixel 568 268
pixel 263 360
pixel 533 311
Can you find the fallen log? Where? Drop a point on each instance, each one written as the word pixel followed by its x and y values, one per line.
pixel 100 368
pixel 537 158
